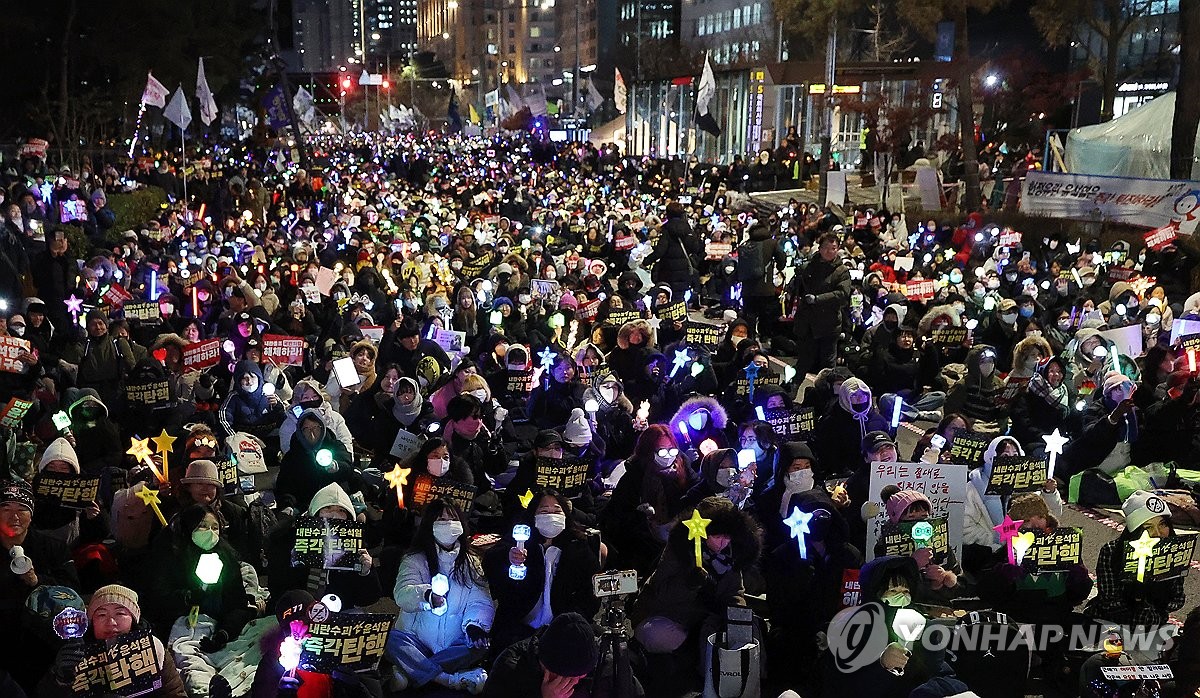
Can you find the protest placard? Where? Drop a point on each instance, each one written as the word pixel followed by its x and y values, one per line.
pixel 919 290
pixel 115 296
pixel 1127 339
pixel 624 242
pixel 944 485
pixel 566 476
pixel 742 385
pixel 1013 387
pixel 72 491
pixel 1055 551
pixel 672 311
pixel 427 488
pixel 519 383
pixel 1170 558
pixel 1016 474
pixel 898 539
pixel 404 445
pixel 126 666
pixel 283 350
pixel 142 311
pixel 152 394
pixel 714 251
pixel 616 318
pixel 327 543
pixel 968 448
pixel 14 412
pixel 544 288
pixel 373 332
pixel 851 589
pixel 450 340
pixel 703 335
pixel 792 424
pixel 473 268
pixel 587 311
pixel 1161 237
pixel 949 336
pixel 1008 238
pixel 10 349
pixel 227 473
pixel 594 375
pixel 345 642
pixel 201 355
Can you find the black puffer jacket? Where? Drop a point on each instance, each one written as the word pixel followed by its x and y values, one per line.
pixel 672 254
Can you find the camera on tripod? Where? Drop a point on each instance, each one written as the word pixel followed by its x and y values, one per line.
pixel 617 583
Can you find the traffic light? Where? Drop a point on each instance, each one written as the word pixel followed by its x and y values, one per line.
pixel 386 84
pixel 346 83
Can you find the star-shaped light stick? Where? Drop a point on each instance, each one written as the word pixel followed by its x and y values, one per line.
pixel 1054 446
pixel 149 497
pixel 525 499
pixel 164 442
pixel 697 527
pixel 547 357
pixel 798 524
pixel 1008 531
pixel 397 479
pixel 1142 548
pixel 74 307
pixel 140 449
pixel 751 374
pixel 681 359
pixel 1021 545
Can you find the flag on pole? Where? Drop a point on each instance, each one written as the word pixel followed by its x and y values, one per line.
pixel 304 105
pixel 155 93
pixel 537 102
pixel 474 115
pixel 704 95
pixel 594 98
pixel 177 111
pixel 208 105
pixel 620 95
pixel 515 103
pixel 452 113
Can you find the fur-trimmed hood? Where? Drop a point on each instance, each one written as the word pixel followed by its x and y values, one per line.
pixel 619 402
pixel 745 535
pixel 718 418
pixel 935 312
pixel 1028 347
pixel 628 328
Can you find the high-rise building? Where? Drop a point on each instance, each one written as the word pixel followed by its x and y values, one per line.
pixel 734 32
pixel 648 19
pixel 587 36
pixel 330 34
pixel 1147 59
pixel 507 41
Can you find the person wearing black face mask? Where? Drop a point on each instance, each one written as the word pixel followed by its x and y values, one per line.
pixel 308 396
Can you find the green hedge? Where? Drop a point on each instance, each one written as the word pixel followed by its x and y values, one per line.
pixel 135 209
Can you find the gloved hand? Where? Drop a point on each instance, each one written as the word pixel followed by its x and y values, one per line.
pixel 810 299
pixel 215 642
pixel 65 664
pixel 478 637
pixel 289 686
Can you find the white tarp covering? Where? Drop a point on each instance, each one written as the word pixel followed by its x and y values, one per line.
pixel 1137 144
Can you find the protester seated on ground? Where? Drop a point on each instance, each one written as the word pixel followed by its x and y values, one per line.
pixel 70 525
pixel 1127 601
pixel 315 460
pixel 308 395
pixel 112 613
pixel 443 647
pixel 201 484
pixel 682 602
pixel 560 659
pixel 939 573
pixel 559 562
pixel 172 586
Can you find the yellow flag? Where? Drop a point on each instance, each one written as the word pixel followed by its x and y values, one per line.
pixel 474 115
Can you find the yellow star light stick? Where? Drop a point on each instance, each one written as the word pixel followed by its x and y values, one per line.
pixel 398 478
pixel 1142 548
pixel 140 449
pixel 1021 545
pixel 150 498
pixel 697 527
pixel 164 442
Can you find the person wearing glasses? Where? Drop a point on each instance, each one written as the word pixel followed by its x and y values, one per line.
pixel 647 500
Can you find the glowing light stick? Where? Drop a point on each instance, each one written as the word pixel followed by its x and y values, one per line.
pixel 1054 446
pixel 521 533
pixel 922 534
pixel 751 374
pixel 149 497
pixel 74 307
pixel 547 357
pixel 896 411
pixel 208 568
pixel 697 527
pixel 1008 531
pixel 681 359
pixel 762 414
pixel 153 285
pixel 797 523
pixel 397 479
pixel 789 372
pixel 643 412
pixel 163 444
pixel 440 585
pixel 324 458
pixel 571 335
pixel 1142 548
pixel 683 431
pixel 707 446
pixel 591 405
pixel 1021 545
pixel 1192 360
pixel 697 368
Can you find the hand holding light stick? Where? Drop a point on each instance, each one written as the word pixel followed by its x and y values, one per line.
pixel 697 527
pixel 521 533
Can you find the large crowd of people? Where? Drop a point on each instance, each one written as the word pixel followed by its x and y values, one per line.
pixel 501 367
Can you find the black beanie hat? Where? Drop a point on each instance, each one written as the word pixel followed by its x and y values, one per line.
pixel 568 646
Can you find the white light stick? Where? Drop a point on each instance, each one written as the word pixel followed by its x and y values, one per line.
pixel 896 411
pixel 1054 446
pixel 521 533
pixel 683 431
pixel 762 415
pixel 798 524
pixel 697 368
pixel 680 360
pixel 591 406
pixel 643 412
pixel 440 585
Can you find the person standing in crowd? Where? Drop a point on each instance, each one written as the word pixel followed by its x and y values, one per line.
pixel 821 289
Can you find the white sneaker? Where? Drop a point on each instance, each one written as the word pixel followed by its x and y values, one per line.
pixel 471 681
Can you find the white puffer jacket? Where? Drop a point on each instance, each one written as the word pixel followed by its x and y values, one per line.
pixel 467 604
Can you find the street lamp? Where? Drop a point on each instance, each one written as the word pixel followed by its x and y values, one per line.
pixel 991 80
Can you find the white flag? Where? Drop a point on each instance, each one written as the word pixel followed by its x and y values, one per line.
pixel 177 111
pixel 155 93
pixel 619 93
pixel 303 101
pixel 594 98
pixel 708 87
pixel 515 103
pixel 208 105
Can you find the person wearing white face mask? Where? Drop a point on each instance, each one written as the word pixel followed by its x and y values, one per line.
pixel 975 396
pixel 442 633
pixel 559 560
pixel 793 475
